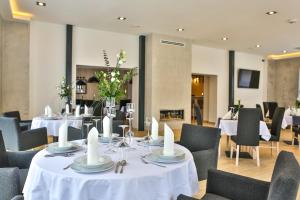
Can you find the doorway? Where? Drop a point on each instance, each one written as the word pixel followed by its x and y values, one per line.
pixel 204 93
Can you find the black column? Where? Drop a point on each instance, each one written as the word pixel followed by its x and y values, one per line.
pixel 231 78
pixel 69 41
pixel 142 45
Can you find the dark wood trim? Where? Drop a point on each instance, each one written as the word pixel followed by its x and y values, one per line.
pixel 141 115
pixel 231 78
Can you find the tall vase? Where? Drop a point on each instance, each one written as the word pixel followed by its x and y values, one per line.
pixel 111 111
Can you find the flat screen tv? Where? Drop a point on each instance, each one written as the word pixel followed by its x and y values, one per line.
pixel 248 78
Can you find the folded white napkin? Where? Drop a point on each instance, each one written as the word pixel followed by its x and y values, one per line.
pixel 267 114
pixel 67 109
pixel 86 110
pixel 106 127
pixel 236 116
pixel 63 135
pixel 154 129
pixel 77 111
pixel 49 111
pixel 92 147
pixel 287 112
pixel 46 111
pixel 227 115
pixel 168 141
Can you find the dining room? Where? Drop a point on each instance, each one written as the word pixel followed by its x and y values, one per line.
pixel 116 100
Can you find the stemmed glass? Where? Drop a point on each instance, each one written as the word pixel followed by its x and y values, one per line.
pixel 130 110
pixel 123 143
pixel 111 113
pixel 148 125
pixel 96 122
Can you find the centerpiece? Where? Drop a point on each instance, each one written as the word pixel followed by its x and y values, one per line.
pixel 64 91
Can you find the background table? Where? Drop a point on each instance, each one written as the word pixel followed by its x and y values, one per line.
pixel 53 125
pixel 47 180
pixel 229 127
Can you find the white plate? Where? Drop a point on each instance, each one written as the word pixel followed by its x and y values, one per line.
pixel 158 156
pixel 54 148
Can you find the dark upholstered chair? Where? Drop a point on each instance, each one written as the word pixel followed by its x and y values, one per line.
pixel 24 124
pixel 272 108
pixel 261 116
pixel 17 140
pixel 296 130
pixel 283 186
pixel 276 128
pixel 203 142
pixel 198 115
pixel 247 132
pixel 13 171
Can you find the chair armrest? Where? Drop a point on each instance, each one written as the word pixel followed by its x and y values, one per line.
pixel 183 197
pixel 205 160
pixel 18 197
pixel 33 138
pixel 20 159
pixel 234 186
pixel 9 182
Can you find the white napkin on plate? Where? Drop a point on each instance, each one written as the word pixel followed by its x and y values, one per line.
pixel 92 147
pixel 48 111
pixel 63 135
pixel 227 115
pixel 106 127
pixel 287 112
pixel 77 111
pixel 86 110
pixel 236 116
pixel 168 141
pixel 67 109
pixel 154 129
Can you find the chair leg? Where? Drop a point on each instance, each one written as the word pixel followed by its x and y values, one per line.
pixel 219 150
pixel 277 147
pixel 257 156
pixel 237 155
pixel 253 153
pixel 231 151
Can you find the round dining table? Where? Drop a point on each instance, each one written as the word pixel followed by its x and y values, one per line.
pixel 53 124
pixel 48 180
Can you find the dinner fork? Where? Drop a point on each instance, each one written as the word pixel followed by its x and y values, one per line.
pixel 153 163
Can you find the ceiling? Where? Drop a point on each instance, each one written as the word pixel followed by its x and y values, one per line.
pixel 205 21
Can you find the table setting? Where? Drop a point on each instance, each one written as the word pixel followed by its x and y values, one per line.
pixel 83 170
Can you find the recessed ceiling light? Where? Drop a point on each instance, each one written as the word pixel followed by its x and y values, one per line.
pixel 284 51
pixel 224 38
pixel 38 3
pixel 122 18
pixel 271 12
pixel 258 45
pixel 292 21
pixel 180 29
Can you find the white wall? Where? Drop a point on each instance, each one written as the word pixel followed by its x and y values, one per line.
pixel 46 65
pixel 250 97
pixel 211 61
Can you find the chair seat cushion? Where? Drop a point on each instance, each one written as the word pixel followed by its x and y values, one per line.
pixel 209 196
pixel 23 174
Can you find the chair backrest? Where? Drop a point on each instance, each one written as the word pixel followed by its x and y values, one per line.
pixel 276 122
pixel 3 155
pixel 198 114
pixel 13 114
pixel 261 116
pixel 266 107
pixel 285 178
pixel 272 108
pixel 248 127
pixel 197 138
pixel 296 120
pixel 11 131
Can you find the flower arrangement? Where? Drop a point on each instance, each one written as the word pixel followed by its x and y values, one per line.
pixel 111 83
pixel 64 89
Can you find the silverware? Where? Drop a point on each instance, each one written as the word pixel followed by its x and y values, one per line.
pixel 117 167
pixel 59 154
pixel 149 162
pixel 67 167
pixel 123 163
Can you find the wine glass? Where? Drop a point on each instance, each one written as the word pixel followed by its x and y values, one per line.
pixel 96 122
pixel 123 143
pixel 148 125
pixel 130 110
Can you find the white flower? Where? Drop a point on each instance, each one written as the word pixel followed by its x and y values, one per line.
pixel 113 74
pixel 112 79
pixel 120 62
pixel 104 74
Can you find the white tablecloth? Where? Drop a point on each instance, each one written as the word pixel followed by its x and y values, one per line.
pixel 48 181
pixel 287 120
pixel 53 125
pixel 229 127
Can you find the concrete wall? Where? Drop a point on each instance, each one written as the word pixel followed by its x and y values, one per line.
pixel 283 77
pixel 170 78
pixel 15 67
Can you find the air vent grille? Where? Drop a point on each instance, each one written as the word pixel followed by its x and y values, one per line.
pixel 167 42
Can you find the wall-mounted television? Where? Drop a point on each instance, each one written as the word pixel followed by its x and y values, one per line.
pixel 248 78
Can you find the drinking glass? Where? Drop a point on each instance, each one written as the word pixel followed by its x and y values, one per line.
pixel 148 125
pixel 130 133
